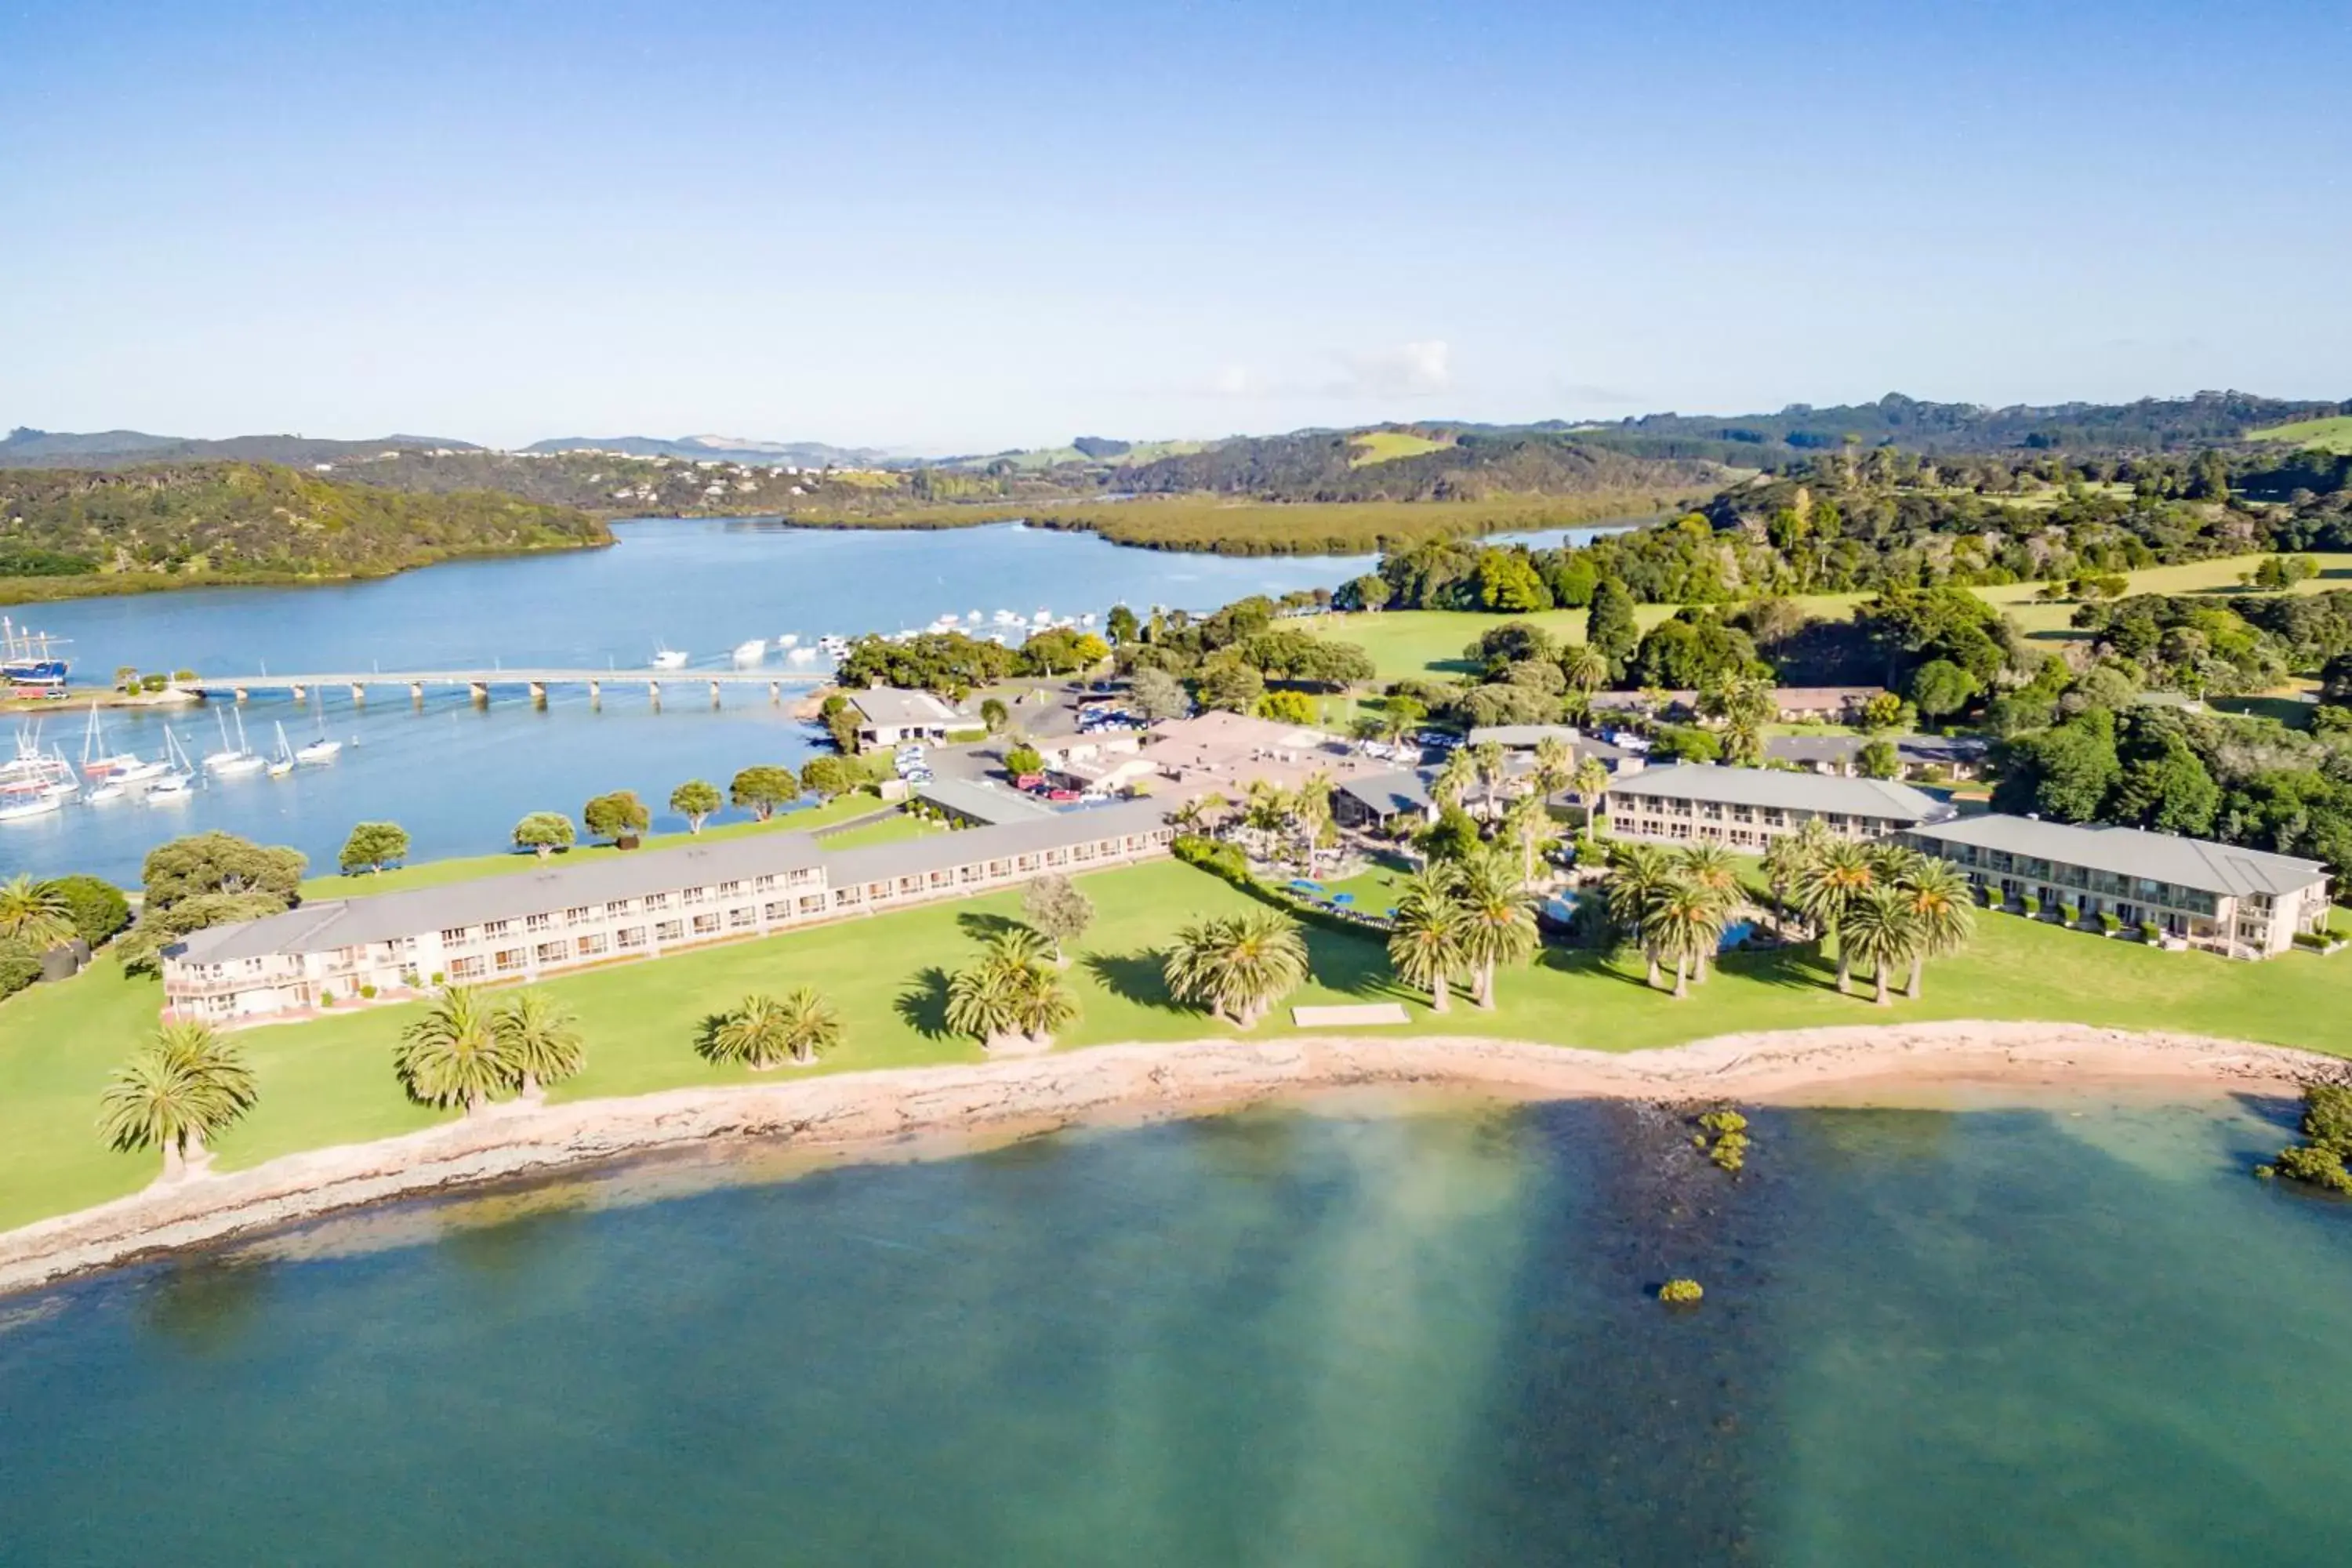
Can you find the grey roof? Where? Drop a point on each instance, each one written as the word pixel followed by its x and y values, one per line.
pixel 981 801
pixel 552 884
pixel 940 851
pixel 1524 734
pixel 1918 749
pixel 1786 791
pixel 2197 863
pixel 1385 794
pixel 888 705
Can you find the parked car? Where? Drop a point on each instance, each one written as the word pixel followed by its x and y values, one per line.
pixel 1062 796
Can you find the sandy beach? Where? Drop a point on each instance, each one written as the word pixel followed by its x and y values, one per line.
pixel 1900 1063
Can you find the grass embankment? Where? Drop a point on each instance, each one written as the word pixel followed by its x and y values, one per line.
pixel 1223 526
pixel 330 1081
pixel 468 868
pixel 2324 434
pixel 1404 643
pixel 1387 446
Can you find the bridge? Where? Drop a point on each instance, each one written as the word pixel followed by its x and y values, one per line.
pixel 480 683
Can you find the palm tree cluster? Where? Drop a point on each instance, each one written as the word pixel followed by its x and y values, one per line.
pixel 465 1050
pixel 176 1093
pixel 1673 905
pixel 35 914
pixel 763 1031
pixel 1460 921
pixel 1885 905
pixel 1013 994
pixel 1286 826
pixel 1237 966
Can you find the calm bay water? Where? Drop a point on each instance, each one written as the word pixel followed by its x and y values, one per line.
pixel 1366 1334
pixel 459 779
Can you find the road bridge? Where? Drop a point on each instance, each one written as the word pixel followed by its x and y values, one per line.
pixel 480 683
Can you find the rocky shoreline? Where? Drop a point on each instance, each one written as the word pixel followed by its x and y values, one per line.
pixel 849 1110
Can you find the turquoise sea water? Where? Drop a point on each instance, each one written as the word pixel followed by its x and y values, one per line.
pixel 1364 1333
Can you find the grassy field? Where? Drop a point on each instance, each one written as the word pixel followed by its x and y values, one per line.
pixel 1404 643
pixel 2326 435
pixel 890 830
pixel 1388 445
pixel 330 1081
pixel 467 867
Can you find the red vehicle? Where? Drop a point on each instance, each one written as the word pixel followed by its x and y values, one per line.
pixel 1062 796
pixel 1032 783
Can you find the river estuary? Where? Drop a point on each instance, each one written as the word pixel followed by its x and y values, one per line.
pixel 458 778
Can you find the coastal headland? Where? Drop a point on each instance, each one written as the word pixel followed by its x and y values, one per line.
pixel 871 1111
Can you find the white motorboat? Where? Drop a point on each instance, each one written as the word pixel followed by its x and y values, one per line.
pixel 801 656
pixel 18 802
pixel 669 658
pixel 789 640
pixel 753 652
pixel 138 773
pixel 107 792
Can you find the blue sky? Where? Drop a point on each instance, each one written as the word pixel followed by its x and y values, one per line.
pixel 960 227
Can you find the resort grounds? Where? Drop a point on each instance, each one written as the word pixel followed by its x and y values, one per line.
pixel 330 1081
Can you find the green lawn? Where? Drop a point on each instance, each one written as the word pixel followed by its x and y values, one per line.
pixel 467 867
pixel 890 830
pixel 2327 434
pixel 330 1081
pixel 1388 445
pixel 1405 642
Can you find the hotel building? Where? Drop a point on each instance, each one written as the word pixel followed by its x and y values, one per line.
pixel 1747 808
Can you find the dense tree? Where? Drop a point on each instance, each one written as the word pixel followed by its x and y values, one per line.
pixel 1289 707
pixel 543 833
pixel 2063 772
pixel 615 815
pixel 218 863
pixel 1122 625
pixel 761 788
pixel 1230 685
pixel 371 846
pixel 696 800
pixel 1021 761
pixel 1609 626
pixel 96 907
pixel 1940 689
pixel 825 777
pixel 1058 911
pixel 1158 695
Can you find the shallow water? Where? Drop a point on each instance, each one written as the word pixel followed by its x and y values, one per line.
pixel 1364 1333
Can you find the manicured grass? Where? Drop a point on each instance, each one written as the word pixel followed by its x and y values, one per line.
pixel 1388 445
pixel 890 830
pixel 468 868
pixel 2327 434
pixel 330 1081
pixel 1407 642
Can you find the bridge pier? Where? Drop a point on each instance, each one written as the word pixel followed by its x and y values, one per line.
pixel 416 693
pixel 358 695
pixel 239 693
pixel 653 694
pixel 539 694
pixel 714 694
pixel 299 693
pixel 596 695
pixel 481 690
pixel 775 692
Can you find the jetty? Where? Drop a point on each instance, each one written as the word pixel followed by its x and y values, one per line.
pixel 480 683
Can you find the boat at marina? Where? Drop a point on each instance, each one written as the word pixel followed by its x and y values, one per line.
pixel 753 652
pixel 29 657
pixel 19 801
pixel 177 782
pixel 789 640
pixel 801 656
pixel 281 760
pixel 107 793
pixel 665 658
pixel 323 751
pixel 97 760
pixel 235 759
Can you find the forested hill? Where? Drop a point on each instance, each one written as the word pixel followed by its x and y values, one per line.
pixel 79 530
pixel 24 447
pixel 1411 463
pixel 2150 424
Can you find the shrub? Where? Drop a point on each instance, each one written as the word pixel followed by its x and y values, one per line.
pixel 2069 913
pixel 1211 854
pixel 1725 1121
pixel 97 908
pixel 1680 1292
pixel 327 997
pixel 2314 940
pixel 2110 922
pixel 436 977
pixel 2316 1167
pixel 19 967
pixel 2030 905
pixel 367 993
pixel 2150 933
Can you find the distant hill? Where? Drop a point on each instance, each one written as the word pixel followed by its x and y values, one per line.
pixel 2150 424
pixel 165 524
pixel 30 449
pixel 722 448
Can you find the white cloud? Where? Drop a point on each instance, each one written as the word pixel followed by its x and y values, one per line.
pixel 1410 370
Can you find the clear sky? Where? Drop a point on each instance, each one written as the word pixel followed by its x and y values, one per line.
pixel 961 226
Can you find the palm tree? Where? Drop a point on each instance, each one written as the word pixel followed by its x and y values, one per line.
pixel 1455 778
pixel 1013 991
pixel 1944 906
pixel 1499 921
pixel 1528 823
pixel 1788 860
pixel 35 914
pixel 1711 868
pixel 1488 758
pixel 454 1054
pixel 812 1027
pixel 180 1089
pixel 1686 922
pixel 1879 928
pixel 1586 667
pixel 1838 875
pixel 541 1042
pixel 1239 966
pixel 1555 765
pixel 1426 938
pixel 1638 877
pixel 1592 786
pixel 1267 810
pixel 1743 742
pixel 1310 813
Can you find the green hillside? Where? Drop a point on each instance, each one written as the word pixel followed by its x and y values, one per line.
pixel 2323 435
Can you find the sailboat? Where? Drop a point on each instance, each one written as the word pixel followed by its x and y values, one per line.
pixel 237 762
pixel 320 751
pixel 175 783
pixel 97 761
pixel 281 760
